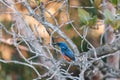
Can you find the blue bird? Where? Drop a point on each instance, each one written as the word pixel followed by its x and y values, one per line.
pixel 66 51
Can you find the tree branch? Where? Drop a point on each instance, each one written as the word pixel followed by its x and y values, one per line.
pixel 53 27
pixel 101 51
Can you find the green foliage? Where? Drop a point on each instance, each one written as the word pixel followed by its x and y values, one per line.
pixel 84 16
pixel 115 2
pixel 109 18
pixel 68 27
pixel 20 72
pixel 7 24
pixel 77 41
pixel 93 21
pixel 38 2
pixel 116 24
pixel 97 3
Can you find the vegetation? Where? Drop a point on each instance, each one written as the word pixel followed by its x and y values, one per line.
pixel 30 30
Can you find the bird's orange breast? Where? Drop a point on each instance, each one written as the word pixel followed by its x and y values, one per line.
pixel 67 58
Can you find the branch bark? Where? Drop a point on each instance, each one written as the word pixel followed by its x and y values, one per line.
pixel 102 51
pixel 53 27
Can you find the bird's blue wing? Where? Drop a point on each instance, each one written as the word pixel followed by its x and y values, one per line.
pixel 68 52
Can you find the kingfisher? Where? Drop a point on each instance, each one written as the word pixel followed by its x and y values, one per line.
pixel 67 53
